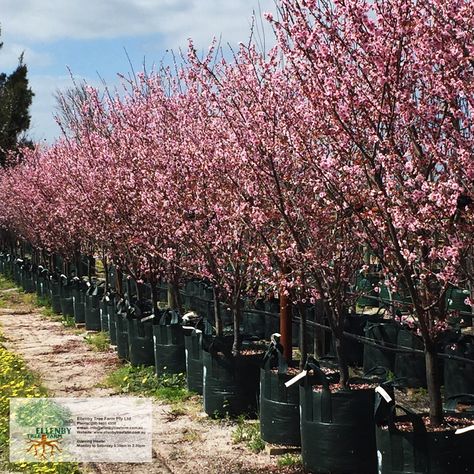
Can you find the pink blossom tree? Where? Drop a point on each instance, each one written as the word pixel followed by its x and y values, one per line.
pixel 390 86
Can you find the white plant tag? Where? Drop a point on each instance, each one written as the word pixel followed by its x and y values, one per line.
pixel 384 394
pixel 295 379
pixel 464 430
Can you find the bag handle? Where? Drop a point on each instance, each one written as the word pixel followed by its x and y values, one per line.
pixel 275 350
pixel 410 416
pixel 326 403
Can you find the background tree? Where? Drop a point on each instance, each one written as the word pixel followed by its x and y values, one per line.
pixel 15 100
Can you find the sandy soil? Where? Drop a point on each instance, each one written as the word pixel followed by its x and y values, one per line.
pixel 67 366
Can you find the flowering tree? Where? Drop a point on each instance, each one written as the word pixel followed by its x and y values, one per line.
pixel 391 85
pixel 311 249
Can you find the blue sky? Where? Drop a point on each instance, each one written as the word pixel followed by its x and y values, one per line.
pixel 90 37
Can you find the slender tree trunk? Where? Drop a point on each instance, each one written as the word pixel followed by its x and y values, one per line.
pixel 155 297
pixel 119 282
pixel 341 357
pixel 89 267
pixel 286 339
pixel 106 270
pixel 217 312
pixel 303 335
pixel 433 385
pixel 236 316
pixel 174 299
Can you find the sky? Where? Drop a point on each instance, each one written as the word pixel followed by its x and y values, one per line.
pixel 96 40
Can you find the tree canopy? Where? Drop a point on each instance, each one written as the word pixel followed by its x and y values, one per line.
pixel 15 100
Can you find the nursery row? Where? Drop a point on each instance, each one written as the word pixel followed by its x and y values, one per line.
pixel 334 171
pixel 339 431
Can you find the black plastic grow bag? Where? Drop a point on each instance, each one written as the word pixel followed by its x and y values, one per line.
pixel 459 375
pixel 122 335
pixel 337 429
pixel 27 282
pixel 104 316
pixel 253 323
pixel 92 313
pixel 230 384
pixel 418 451
pixel 279 405
pixel 193 353
pixel 67 301
pixel 409 368
pixel 79 300
pixel 354 350
pixel 55 295
pixel 140 342
pixel 383 332
pixel 168 338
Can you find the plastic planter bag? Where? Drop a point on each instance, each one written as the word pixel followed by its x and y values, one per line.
pixel 27 282
pixel 92 315
pixel 79 299
pixel 337 428
pixel 459 375
pixel 253 323
pixel 122 334
pixel 55 294
pixel 279 406
pixel 230 384
pixel 41 282
pixel 140 342
pixel 418 451
pixel 111 311
pixel 193 352
pixel 168 338
pixel 104 316
pixel 67 301
pixel 382 332
pixel 353 324
pixel 410 368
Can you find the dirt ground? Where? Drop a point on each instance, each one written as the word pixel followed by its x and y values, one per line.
pixel 68 367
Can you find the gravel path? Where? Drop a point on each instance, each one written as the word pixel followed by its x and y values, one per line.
pixel 68 367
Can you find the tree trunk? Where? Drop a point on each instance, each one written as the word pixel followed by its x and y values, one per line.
pixel 236 316
pixel 285 326
pixel 78 262
pixel 174 300
pixel 341 358
pixel 89 267
pixel 303 336
pixel 119 282
pixel 217 312
pixel 154 296
pixel 433 384
pixel 106 270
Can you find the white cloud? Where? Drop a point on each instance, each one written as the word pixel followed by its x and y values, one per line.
pixel 38 22
pixel 177 20
pixel 10 53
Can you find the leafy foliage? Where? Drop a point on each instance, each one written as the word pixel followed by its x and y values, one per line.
pixel 15 101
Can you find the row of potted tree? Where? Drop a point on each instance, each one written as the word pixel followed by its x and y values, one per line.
pixel 280 170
